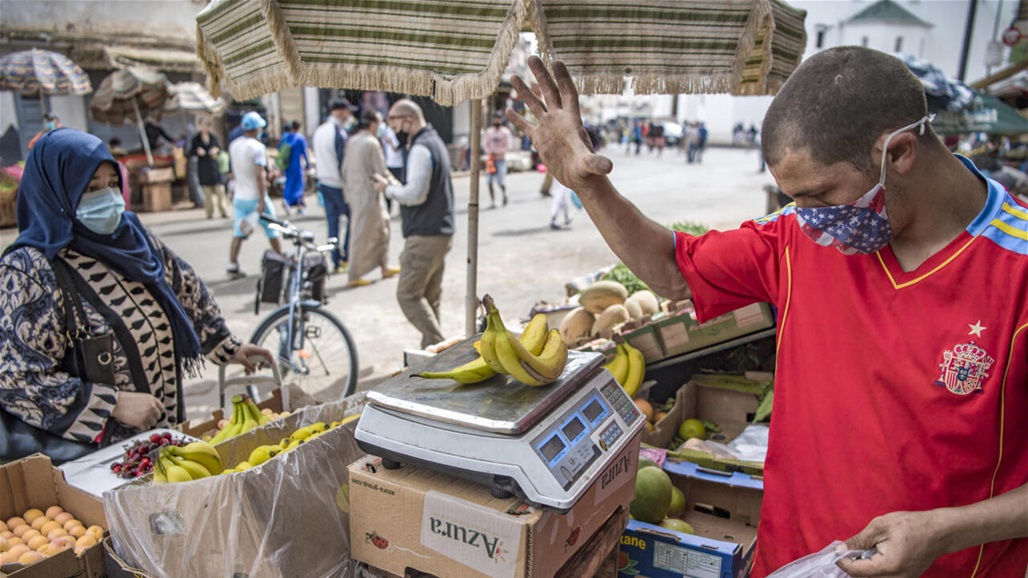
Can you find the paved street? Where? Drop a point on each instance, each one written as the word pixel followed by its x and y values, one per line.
pixel 521 260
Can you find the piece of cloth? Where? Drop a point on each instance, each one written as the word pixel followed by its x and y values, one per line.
pixel 392 149
pixel 35 353
pixel 206 153
pixel 433 215
pixel 56 175
pixel 419 289
pixel 249 161
pixel 214 197
pixel 292 193
pixel 329 165
pixel 894 391
pixel 246 218
pixel 336 208
pixel 369 224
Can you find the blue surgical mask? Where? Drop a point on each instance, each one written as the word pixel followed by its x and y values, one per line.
pixel 858 227
pixel 51 125
pixel 380 132
pixel 100 211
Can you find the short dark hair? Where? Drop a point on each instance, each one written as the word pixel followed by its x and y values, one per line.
pixel 115 142
pixel 838 103
pixel 368 116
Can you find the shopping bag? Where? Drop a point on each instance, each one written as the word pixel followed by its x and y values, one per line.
pixel 575 200
pixel 821 564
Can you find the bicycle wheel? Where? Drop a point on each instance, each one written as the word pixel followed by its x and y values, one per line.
pixel 322 359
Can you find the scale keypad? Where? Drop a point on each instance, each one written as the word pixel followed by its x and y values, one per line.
pixel 619 400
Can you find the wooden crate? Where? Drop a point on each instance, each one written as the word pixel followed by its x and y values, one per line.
pixel 8 209
pixel 157 197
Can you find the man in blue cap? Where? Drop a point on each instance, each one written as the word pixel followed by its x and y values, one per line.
pixel 249 170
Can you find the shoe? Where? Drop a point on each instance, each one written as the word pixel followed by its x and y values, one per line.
pixel 342 267
pixel 390 272
pixel 233 270
pixel 567 223
pixel 555 226
pixel 359 283
pixel 492 206
pixel 545 193
pixel 505 199
pixel 301 212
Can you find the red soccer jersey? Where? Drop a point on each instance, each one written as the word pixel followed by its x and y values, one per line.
pixel 895 390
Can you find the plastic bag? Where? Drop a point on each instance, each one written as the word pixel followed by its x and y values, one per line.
pixel 821 564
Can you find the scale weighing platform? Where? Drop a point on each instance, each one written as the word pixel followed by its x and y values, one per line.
pixel 544 444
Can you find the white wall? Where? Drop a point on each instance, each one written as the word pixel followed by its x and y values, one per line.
pixel 8 114
pixel 166 18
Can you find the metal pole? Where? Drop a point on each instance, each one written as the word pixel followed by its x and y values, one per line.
pixel 972 9
pixel 471 296
pixel 995 33
pixel 142 132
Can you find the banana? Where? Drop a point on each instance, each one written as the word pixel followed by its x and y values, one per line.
pixel 472 372
pixel 243 466
pixel 636 370
pixel 549 364
pixel 479 370
pixel 253 411
pixel 618 366
pixel 535 334
pixel 261 454
pixel 301 434
pixel 196 471
pixel 228 471
pixel 175 472
pixel 159 476
pixel 201 453
pixel 487 344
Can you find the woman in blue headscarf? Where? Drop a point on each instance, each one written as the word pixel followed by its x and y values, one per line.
pixel 162 318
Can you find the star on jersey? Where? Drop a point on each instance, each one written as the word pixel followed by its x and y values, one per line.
pixel 977 328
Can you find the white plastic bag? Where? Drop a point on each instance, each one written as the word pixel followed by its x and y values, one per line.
pixel 821 564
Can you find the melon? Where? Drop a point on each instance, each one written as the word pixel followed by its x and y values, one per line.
pixel 576 326
pixel 677 525
pixel 611 317
pixel 601 295
pixel 677 503
pixel 652 495
pixel 647 300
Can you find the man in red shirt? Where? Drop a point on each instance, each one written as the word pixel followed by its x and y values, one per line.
pixel 902 389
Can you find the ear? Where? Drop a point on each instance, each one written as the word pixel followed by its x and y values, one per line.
pixel 903 152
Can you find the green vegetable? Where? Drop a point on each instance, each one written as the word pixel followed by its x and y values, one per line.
pixel 764 409
pixel 689 227
pixel 622 274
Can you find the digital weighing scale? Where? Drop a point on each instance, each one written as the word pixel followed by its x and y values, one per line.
pixel 544 444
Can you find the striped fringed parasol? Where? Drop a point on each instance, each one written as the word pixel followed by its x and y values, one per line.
pixel 193 97
pixel 449 50
pixel 671 46
pixel 42 73
pixel 128 95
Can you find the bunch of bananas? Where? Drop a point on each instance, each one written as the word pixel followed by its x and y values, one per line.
pixel 245 417
pixel 186 463
pixel 537 357
pixel 261 454
pixel 628 368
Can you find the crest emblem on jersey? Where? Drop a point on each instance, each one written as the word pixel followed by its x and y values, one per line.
pixel 964 368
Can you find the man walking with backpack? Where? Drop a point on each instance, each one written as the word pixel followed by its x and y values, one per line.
pixel 329 147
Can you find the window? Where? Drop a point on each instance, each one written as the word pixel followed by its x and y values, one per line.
pixel 821 29
pixel 899 44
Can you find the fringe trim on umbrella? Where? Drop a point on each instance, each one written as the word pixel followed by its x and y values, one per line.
pixel 445 91
pixel 760 21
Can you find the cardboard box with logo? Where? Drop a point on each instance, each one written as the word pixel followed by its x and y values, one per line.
pixel 722 509
pixel 34 482
pixel 417 519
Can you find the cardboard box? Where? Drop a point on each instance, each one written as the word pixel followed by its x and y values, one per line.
pixel 157 175
pixel 286 517
pixel 731 408
pixel 418 519
pixel 724 511
pixel 645 338
pixel 34 482
pixel 156 197
pixel 681 333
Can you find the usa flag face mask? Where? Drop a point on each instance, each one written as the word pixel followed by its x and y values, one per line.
pixel 861 227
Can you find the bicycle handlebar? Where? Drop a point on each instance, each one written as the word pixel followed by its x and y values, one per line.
pixel 296 234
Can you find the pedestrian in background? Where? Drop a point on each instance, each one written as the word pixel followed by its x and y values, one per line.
pixel 369 224
pixel 426 208
pixel 393 151
pixel 561 205
pixel 155 132
pixel 292 148
pixel 249 159
pixel 330 149
pixel 496 143
pixel 204 151
pixel 50 122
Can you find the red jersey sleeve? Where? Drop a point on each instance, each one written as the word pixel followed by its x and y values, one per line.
pixel 731 269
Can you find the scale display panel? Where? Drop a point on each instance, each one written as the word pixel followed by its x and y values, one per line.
pixel 569 446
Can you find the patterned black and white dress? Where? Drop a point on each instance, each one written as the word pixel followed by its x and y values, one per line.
pixel 34 341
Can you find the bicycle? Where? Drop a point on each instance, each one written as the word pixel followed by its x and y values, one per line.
pixel 313 347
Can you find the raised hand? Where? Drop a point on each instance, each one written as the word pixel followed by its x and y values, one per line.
pixel 558 134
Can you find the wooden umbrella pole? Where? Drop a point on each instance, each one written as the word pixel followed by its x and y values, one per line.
pixel 142 132
pixel 471 297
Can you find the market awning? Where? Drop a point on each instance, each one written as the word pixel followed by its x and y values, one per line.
pixel 987 114
pixel 453 50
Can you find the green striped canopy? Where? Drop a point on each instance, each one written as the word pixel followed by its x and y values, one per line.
pixel 453 50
